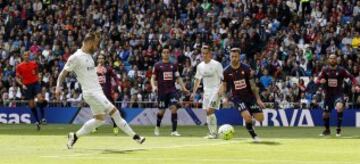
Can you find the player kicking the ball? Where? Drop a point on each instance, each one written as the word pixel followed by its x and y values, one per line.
pixel 163 81
pixel 245 95
pixel 211 72
pixel 82 64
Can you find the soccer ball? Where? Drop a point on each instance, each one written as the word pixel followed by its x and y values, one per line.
pixel 226 132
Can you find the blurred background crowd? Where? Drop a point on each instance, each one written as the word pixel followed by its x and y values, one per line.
pixel 286 42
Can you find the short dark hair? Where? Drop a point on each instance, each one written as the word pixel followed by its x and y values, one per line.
pixel 205 46
pixel 235 49
pixel 333 55
pixel 165 47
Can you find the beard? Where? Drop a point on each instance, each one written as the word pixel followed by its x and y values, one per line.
pixel 235 63
pixel 92 50
pixel 333 64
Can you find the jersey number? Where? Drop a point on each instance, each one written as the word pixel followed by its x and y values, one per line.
pixel 239 84
pixel 332 82
pixel 168 76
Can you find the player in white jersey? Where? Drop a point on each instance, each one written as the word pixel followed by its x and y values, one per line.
pixel 82 64
pixel 210 72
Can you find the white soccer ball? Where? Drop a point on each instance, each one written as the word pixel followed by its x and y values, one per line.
pixel 226 131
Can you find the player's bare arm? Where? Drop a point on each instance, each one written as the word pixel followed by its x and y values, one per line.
pixel 182 84
pixel 222 89
pixel 153 82
pixel 321 78
pixel 195 88
pixel 60 80
pixel 19 81
pixel 255 91
pixel 355 83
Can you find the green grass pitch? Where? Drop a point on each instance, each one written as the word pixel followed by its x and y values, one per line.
pixel 22 144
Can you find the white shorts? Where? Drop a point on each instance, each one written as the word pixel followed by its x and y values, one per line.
pixel 98 103
pixel 211 100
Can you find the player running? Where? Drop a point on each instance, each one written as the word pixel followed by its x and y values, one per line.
pixel 163 81
pixel 82 64
pixel 106 74
pixel 211 72
pixel 27 76
pixel 332 77
pixel 245 95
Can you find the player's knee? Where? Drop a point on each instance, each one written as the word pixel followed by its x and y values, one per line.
pixel 247 118
pixel 173 109
pixel 339 107
pixel 161 112
pixel 210 111
pixel 326 115
pixel 112 112
pixel 259 117
pixel 31 103
pixel 100 117
pixel 39 97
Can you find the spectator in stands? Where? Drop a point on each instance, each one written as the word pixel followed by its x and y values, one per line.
pixel 266 79
pixel 286 38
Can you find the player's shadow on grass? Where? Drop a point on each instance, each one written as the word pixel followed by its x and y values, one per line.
pixel 125 151
pixel 270 143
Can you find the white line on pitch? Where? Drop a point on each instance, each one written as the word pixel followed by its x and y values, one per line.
pixel 134 149
pixel 214 160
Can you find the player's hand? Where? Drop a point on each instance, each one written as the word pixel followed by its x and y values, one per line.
pixel 356 89
pixel 260 103
pixel 154 89
pixel 186 91
pixel 220 94
pixel 57 93
pixel 192 96
pixel 24 87
pixel 322 81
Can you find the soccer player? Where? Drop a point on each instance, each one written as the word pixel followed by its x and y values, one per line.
pixel 28 78
pixel 245 94
pixel 332 77
pixel 105 75
pixel 82 64
pixel 163 81
pixel 211 72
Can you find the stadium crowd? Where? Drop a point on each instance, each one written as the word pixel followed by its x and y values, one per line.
pixel 286 42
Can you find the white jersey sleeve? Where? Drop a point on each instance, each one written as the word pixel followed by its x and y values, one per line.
pixel 198 72
pixel 71 64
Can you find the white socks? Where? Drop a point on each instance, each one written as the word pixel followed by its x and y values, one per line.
pixel 88 127
pixel 122 124
pixel 94 123
pixel 212 123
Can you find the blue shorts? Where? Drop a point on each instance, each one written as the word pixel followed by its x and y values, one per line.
pixel 331 101
pixel 250 106
pixel 32 91
pixel 167 100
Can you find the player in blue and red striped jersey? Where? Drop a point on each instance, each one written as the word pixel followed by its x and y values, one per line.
pixel 239 78
pixel 27 77
pixel 332 77
pixel 163 81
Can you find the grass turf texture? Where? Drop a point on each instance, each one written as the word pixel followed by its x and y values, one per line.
pixel 23 144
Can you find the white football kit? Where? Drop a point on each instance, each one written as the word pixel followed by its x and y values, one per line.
pixel 211 75
pixel 82 64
